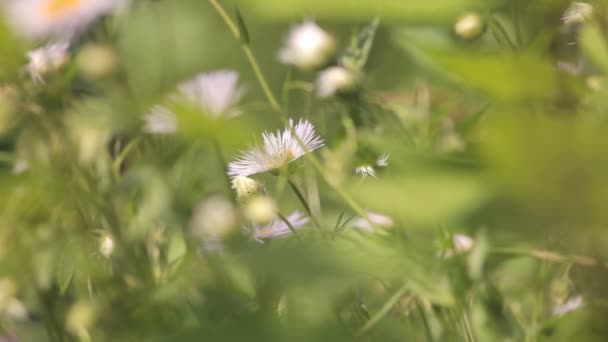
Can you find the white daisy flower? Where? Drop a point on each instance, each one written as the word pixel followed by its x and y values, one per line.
pixel 577 12
pixel 307 46
pixel 365 170
pixel 58 18
pixel 46 59
pixel 160 120
pixel 377 219
pixel 277 151
pixel 277 228
pixel 382 161
pixel 215 92
pixel 334 80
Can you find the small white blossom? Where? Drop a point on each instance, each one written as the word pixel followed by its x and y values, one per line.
pixel 160 120
pixel 20 166
pixel 277 228
pixel 245 187
pixel 46 59
pixel 57 18
pixel 106 245
pixel 333 80
pixel 213 218
pixel 577 12
pixel 571 304
pixel 260 209
pixel 277 151
pixel 382 161
pixel 365 170
pixel 307 46
pixel 377 219
pixel 216 93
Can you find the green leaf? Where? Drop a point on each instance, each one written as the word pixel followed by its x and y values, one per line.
pixel 243 32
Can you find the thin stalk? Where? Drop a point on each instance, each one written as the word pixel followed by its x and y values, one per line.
pixel 123 155
pixel 302 200
pixel 289 225
pixel 383 310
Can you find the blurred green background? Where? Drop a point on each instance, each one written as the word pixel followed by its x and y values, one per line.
pixel 495 129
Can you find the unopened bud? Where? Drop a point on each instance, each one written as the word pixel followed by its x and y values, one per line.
pixel 469 26
pixel 214 217
pixel 246 187
pixel 335 79
pixel 97 61
pixel 106 245
pixel 260 209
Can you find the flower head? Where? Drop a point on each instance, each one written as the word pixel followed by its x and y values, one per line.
pixel 245 186
pixel 278 150
pixel 463 243
pixel 307 46
pixel 46 59
pixel 334 80
pixel 277 228
pixel 382 161
pixel 365 170
pixel 160 120
pixel 577 12
pixel 215 92
pixel 58 18
pixel 377 219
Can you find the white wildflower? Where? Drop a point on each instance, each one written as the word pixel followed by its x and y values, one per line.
pixel 365 170
pixel 571 304
pixel 382 161
pixel 20 166
pixel 469 26
pixel 462 243
pixel 307 46
pixel 334 80
pixel 46 59
pixel 160 120
pixel 213 218
pixel 377 219
pixel 216 93
pixel 577 12
pixel 245 187
pixel 57 18
pixel 277 151
pixel 278 228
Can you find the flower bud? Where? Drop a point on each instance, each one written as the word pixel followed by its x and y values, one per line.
pixel 469 26
pixel 246 187
pixel 260 209
pixel 106 245
pixel 335 79
pixel 97 61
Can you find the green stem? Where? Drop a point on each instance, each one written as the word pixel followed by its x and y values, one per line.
pixel 300 197
pixel 122 156
pixel 383 311
pixel 220 157
pixel 289 225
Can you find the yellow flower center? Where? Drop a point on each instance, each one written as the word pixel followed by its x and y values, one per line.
pixel 55 8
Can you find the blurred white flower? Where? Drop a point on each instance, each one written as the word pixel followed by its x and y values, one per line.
pixel 245 187
pixel 20 166
pixel 277 151
pixel 469 26
pixel 106 245
pixel 160 120
pixel 382 161
pixel 46 59
pixel 58 18
pixel 213 218
pixel 365 170
pixel 307 46
pixel 333 80
pixel 571 304
pixel 216 93
pixel 462 243
pixel 577 12
pixel 277 228
pixel 379 220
